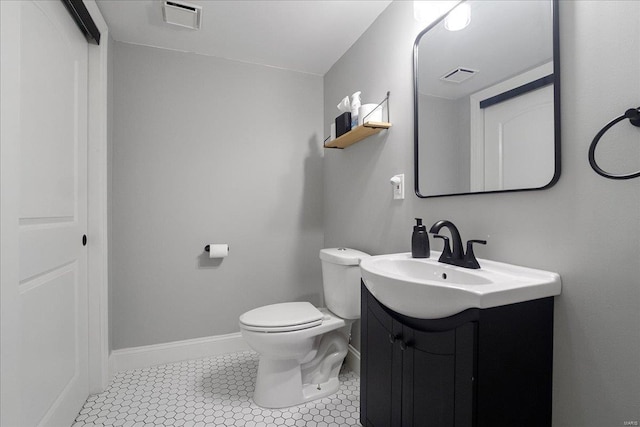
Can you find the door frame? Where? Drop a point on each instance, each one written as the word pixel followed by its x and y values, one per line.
pixel 98 175
pixel 97 215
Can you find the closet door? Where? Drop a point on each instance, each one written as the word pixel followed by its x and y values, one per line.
pixel 44 208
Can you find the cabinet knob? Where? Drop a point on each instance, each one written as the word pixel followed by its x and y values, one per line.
pixel 405 345
pixel 393 338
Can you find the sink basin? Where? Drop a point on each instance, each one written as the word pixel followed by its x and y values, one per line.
pixel 427 289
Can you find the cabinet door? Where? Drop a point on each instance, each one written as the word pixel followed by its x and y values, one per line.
pixel 428 378
pixel 380 388
pixel 413 376
pixel 438 377
pixel 466 369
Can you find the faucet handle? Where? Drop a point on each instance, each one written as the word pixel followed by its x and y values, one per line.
pixel 470 258
pixel 471 242
pixel 446 252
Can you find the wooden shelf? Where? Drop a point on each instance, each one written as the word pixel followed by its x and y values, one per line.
pixel 357 134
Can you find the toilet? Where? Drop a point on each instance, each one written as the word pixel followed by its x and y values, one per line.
pixel 302 347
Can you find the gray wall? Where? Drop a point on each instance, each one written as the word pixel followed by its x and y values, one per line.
pixel 445 153
pixel 586 228
pixel 210 150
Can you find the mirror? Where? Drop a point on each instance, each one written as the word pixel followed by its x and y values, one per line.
pixel 486 99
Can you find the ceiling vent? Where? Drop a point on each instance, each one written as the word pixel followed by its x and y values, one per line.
pixel 182 14
pixel 458 75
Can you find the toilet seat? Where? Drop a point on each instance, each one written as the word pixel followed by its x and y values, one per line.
pixel 283 317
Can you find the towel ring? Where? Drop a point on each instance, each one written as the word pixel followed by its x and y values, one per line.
pixel 633 114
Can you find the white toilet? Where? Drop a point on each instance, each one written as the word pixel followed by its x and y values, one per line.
pixel 302 347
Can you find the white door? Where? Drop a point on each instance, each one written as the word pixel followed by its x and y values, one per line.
pixel 519 140
pixel 46 82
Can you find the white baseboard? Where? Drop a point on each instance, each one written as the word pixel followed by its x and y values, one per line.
pixel 353 360
pixel 150 355
pixel 158 354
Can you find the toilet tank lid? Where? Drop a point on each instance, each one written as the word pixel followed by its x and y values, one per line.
pixel 342 256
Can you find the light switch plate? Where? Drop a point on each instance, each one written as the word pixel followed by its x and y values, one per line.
pixel 397 182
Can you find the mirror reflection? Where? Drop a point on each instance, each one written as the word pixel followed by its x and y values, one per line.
pixel 485 99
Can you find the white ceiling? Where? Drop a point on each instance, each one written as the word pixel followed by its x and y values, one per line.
pixel 308 36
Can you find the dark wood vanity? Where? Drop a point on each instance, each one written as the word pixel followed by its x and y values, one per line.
pixel 479 368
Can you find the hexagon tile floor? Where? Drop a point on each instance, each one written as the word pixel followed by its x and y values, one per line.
pixel 214 391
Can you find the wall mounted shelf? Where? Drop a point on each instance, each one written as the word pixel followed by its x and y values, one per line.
pixel 365 130
pixel 357 134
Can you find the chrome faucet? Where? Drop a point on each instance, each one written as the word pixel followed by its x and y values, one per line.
pixel 455 254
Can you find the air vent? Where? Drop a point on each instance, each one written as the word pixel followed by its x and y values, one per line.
pixel 458 75
pixel 182 14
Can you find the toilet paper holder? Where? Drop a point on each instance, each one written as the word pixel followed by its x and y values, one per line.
pixel 207 248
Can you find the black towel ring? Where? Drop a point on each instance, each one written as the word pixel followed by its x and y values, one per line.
pixel 633 114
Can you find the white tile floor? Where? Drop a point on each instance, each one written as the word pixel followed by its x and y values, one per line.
pixel 210 392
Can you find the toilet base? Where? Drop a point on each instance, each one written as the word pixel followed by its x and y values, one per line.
pixel 279 385
pixel 318 391
pixel 299 366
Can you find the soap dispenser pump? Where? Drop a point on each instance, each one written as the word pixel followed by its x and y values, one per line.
pixel 420 241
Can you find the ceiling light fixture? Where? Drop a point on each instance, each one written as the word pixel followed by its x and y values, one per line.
pixel 458 13
pixel 427 12
pixel 458 18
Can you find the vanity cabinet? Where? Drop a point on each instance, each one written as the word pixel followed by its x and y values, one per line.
pixel 479 368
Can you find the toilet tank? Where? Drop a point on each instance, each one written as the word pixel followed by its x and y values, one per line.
pixel 341 281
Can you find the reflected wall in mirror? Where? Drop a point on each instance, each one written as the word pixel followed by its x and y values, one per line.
pixel 487 101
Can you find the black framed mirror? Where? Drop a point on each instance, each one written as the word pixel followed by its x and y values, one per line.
pixel 487 99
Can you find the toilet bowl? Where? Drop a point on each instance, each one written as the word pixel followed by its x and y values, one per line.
pixel 302 347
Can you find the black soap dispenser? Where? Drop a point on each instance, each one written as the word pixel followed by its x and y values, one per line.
pixel 420 241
